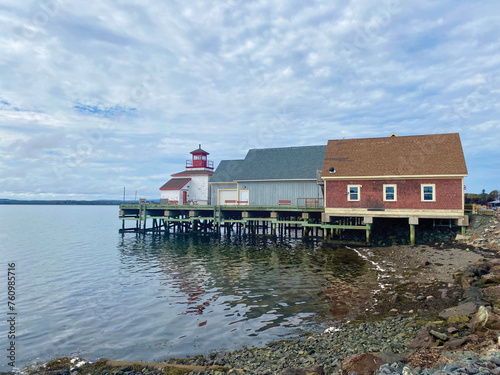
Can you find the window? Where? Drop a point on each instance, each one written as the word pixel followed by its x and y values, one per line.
pixel 390 193
pixel 428 193
pixel 197 157
pixel 353 192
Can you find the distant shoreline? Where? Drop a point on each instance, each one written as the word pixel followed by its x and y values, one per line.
pixel 65 202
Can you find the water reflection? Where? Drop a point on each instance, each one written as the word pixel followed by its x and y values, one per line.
pixel 252 282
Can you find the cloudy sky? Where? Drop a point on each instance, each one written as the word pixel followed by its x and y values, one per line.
pixel 100 95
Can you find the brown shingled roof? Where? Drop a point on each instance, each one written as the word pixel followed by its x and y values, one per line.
pixel 175 184
pixel 419 155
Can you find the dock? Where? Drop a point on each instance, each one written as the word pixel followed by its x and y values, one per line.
pixel 235 220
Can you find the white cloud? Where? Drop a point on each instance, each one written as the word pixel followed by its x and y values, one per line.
pixel 113 94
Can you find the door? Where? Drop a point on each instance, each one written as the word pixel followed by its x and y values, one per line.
pixel 184 197
pixel 244 197
pixel 227 196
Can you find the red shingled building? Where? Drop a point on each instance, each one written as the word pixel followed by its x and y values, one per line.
pixel 414 177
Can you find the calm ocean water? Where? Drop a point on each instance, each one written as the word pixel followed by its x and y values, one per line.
pixel 84 289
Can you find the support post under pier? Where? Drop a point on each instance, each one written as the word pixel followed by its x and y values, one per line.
pixel 412 220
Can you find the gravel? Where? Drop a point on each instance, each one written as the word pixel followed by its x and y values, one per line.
pixel 390 337
pixel 464 363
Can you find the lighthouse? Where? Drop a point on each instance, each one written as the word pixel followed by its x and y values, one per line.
pixel 191 185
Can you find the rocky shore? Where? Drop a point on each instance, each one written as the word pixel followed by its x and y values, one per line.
pixel 439 314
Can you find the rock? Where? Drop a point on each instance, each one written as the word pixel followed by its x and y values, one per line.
pixel 492 291
pixel 439 335
pixel 424 263
pixel 363 364
pixel 459 356
pixel 456 343
pixel 444 293
pixel 458 319
pixel 316 370
pixel 449 368
pixel 491 278
pixel 493 263
pixel 468 281
pixel 472 294
pixel 468 308
pixel 484 320
pixel 391 357
pixel 423 339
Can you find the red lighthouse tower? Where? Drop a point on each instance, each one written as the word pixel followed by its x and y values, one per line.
pixel 199 160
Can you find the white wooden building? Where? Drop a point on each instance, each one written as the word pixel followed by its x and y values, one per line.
pixel 191 185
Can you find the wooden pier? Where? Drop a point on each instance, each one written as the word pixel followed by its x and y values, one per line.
pixel 282 220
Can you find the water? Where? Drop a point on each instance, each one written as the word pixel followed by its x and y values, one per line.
pixel 84 289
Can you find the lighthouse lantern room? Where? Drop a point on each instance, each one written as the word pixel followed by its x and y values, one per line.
pixel 199 160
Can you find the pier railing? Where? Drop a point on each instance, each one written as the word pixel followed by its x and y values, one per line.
pixel 310 202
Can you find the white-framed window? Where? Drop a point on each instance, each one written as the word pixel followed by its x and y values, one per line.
pixel 353 192
pixel 428 192
pixel 390 193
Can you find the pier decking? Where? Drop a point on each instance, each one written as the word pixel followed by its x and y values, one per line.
pixel 234 219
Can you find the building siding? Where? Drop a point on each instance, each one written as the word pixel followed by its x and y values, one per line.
pixel 215 187
pixel 448 194
pixel 268 193
pixel 198 189
pixel 172 195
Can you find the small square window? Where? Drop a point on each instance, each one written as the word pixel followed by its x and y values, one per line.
pixel 428 193
pixel 390 193
pixel 353 192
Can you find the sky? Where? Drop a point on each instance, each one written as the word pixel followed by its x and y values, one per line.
pixel 96 96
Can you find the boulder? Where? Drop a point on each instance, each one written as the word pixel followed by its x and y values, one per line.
pixel 363 364
pixel 485 319
pixel 468 308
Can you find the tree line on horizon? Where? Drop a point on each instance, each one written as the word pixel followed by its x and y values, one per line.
pixel 483 198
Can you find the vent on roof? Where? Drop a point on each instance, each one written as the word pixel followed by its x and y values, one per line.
pixel 393 135
pixel 331 170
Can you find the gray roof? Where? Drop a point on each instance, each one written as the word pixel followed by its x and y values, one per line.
pixel 286 163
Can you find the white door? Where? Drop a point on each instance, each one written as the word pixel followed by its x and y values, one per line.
pixel 228 197
pixel 244 197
